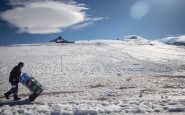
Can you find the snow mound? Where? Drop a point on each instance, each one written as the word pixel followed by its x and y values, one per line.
pixel 179 41
pixel 137 39
pixel 99 41
pixel 131 39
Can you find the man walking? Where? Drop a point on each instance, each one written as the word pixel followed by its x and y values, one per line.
pixel 14 80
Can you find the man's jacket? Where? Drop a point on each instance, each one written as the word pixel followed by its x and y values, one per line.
pixel 14 75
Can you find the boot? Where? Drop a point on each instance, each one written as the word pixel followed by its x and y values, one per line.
pixel 16 97
pixel 7 96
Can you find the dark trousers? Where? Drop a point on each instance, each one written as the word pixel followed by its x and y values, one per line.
pixel 13 90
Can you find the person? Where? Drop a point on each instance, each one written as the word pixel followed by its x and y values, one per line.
pixel 14 80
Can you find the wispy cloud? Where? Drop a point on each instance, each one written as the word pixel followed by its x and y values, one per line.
pixel 88 22
pixel 45 16
pixel 83 25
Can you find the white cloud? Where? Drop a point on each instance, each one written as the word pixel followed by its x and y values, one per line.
pixel 26 2
pixel 45 16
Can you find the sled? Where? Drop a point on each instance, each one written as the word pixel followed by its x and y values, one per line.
pixel 33 85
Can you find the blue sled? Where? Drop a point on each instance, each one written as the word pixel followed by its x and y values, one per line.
pixel 33 85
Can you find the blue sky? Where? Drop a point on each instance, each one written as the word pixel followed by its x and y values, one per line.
pixel 33 21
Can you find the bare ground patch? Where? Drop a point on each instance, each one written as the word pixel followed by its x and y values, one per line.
pixel 172 87
pixel 171 77
pixel 147 90
pixel 102 99
pixel 96 86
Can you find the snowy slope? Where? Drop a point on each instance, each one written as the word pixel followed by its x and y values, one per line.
pixel 180 41
pixel 98 77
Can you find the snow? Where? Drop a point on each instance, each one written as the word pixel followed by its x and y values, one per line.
pixel 172 40
pixel 98 77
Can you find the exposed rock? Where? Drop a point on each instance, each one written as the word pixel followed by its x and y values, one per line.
pixel 85 112
pixel 60 39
